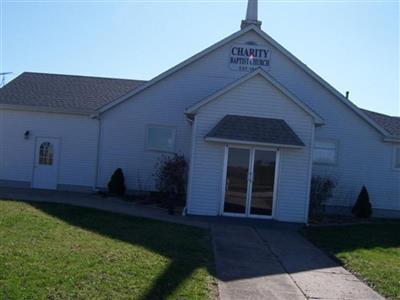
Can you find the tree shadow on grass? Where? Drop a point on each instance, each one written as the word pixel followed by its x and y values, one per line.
pixel 187 248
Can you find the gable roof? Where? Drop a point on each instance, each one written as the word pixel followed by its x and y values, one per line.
pixel 117 95
pixel 178 67
pixel 63 92
pixel 195 107
pixel 390 123
pixel 255 131
pixel 275 44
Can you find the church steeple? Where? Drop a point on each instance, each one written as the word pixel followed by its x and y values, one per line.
pixel 251 15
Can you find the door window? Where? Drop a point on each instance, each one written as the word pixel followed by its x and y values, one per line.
pixel 250 179
pixel 262 193
pixel 236 180
pixel 46 153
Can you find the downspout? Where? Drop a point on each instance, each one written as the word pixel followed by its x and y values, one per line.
pixel 96 173
pixel 307 207
pixel 192 121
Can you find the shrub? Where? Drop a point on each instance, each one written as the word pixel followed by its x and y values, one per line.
pixel 116 185
pixel 362 208
pixel 170 178
pixel 321 191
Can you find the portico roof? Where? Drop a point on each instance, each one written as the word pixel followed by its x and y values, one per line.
pixel 255 131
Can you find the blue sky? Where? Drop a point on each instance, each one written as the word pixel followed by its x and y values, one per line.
pixel 354 45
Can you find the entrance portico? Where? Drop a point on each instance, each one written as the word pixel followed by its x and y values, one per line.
pixel 251 152
pixel 251 162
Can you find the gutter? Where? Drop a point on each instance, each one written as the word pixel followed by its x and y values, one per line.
pixel 84 112
pixel 391 139
pixel 244 142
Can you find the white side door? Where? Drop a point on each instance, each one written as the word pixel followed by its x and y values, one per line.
pixel 45 167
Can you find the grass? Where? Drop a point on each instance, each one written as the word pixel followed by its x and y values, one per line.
pixel 53 251
pixel 372 251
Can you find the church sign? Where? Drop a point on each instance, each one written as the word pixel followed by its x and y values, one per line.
pixel 249 57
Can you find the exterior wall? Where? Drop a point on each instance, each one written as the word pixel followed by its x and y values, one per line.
pixel 363 158
pixel 255 97
pixel 78 147
pixel 123 127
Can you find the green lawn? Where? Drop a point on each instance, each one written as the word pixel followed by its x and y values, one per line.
pixel 372 251
pixel 53 251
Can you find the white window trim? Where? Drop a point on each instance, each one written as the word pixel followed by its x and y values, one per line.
pixel 336 142
pixel 395 149
pixel 148 148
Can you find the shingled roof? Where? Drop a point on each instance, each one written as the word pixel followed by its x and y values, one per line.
pixel 254 130
pixel 390 123
pixel 67 92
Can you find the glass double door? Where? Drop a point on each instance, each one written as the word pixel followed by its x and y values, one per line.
pixel 250 182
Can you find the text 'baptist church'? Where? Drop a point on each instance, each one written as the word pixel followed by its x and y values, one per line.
pixel 246 57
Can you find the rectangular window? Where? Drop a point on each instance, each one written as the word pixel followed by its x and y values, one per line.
pixel 325 152
pixel 160 138
pixel 397 157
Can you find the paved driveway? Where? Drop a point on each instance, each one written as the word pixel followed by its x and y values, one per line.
pixel 272 263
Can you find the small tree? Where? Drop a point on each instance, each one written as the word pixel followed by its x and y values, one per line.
pixel 116 185
pixel 362 208
pixel 170 178
pixel 321 191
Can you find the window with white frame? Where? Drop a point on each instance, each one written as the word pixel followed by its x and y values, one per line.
pixel 397 157
pixel 160 138
pixel 325 152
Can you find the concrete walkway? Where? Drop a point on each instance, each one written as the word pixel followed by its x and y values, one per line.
pixel 255 259
pixel 264 263
pixel 246 269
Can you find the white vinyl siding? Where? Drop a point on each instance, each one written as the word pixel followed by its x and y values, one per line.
pixel 325 152
pixel 360 146
pixel 78 147
pixel 160 138
pixel 256 97
pixel 364 159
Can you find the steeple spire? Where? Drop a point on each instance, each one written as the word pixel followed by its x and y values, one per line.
pixel 251 15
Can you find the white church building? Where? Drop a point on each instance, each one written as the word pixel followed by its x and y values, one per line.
pixel 254 122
